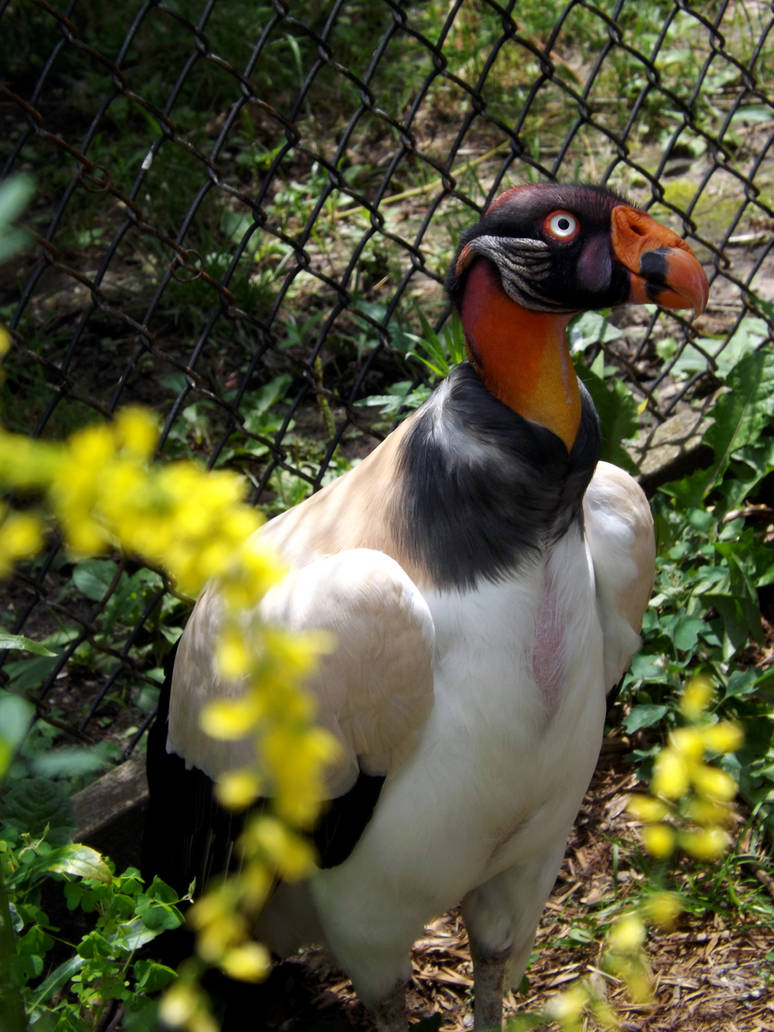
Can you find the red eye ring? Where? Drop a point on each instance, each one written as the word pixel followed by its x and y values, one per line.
pixel 562 225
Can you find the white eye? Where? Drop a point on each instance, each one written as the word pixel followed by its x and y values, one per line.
pixel 562 225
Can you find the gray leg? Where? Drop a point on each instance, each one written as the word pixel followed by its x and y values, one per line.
pixel 389 1014
pixel 488 975
pixel 501 917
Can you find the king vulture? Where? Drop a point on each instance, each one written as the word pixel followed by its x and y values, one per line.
pixel 485 577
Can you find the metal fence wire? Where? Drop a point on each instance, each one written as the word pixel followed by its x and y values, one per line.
pixel 244 212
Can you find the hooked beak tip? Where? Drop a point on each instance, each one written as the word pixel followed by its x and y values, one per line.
pixel 662 268
pixel 671 277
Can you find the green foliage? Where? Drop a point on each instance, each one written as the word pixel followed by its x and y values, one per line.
pixel 713 564
pixel 103 966
pixel 48 982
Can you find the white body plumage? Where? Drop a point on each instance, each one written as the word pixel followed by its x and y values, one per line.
pixel 484 707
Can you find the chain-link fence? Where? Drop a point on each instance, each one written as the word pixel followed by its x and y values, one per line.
pixel 243 214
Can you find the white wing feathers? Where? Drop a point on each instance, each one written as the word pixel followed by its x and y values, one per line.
pixel 373 691
pixel 619 532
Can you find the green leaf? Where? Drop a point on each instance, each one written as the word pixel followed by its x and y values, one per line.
pixel 645 667
pixel 15 717
pixel 131 935
pixel 591 328
pixel 35 804
pixel 15 192
pixel 54 983
pixel 28 672
pixel 79 861
pixel 741 683
pixel 19 641
pixel 158 916
pixel 69 761
pixel 151 976
pixel 742 414
pixel 644 715
pixel 93 577
pixel 617 413
pixel 686 633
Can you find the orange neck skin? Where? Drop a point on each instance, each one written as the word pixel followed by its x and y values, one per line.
pixel 521 355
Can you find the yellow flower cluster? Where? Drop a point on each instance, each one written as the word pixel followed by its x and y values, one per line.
pixel 105 492
pixel 690 803
pixel 689 808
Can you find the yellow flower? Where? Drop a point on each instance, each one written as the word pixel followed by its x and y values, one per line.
pixel 249 962
pixel 646 808
pixel 184 1005
pixel 568 1007
pixel 627 934
pixel 638 984
pixel 663 908
pixel 92 448
pixel 707 811
pixel 21 536
pixel 178 1004
pixel 230 719
pixel 289 853
pixel 659 840
pixel 723 737
pixel 696 697
pixel 707 844
pixel 215 938
pixel 137 432
pixel 689 742
pixel 233 654
pixel 713 783
pixel 237 789
pixel 670 774
pixel 257 882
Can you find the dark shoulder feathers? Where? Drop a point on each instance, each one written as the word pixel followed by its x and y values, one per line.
pixel 483 488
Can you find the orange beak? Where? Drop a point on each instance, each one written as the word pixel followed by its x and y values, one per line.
pixel 662 268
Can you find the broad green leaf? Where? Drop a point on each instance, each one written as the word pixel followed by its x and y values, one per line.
pixel 92 577
pixel 647 668
pixel 131 935
pixel 741 683
pixel 686 633
pixel 644 715
pixel 591 328
pixel 157 915
pixel 697 356
pixel 15 192
pixel 80 861
pixel 28 673
pixel 37 804
pixel 151 976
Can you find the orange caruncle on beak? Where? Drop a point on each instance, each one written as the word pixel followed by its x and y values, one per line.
pixel 662 268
